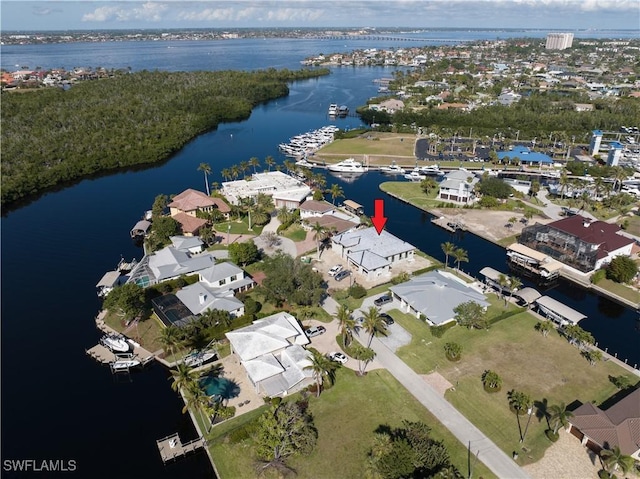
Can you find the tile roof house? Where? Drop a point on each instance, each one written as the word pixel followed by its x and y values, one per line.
pixel 617 426
pixel 190 225
pixel 271 351
pixel 312 208
pixel 435 295
pixel 190 201
pixel 458 187
pixel 370 253
pixel 578 242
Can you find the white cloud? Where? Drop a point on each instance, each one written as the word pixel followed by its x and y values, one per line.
pixel 146 12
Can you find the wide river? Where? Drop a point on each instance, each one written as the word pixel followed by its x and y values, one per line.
pixel 57 403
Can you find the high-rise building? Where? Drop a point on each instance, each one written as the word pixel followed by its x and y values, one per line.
pixel 559 41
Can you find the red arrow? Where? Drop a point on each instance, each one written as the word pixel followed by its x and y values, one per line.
pixel 378 219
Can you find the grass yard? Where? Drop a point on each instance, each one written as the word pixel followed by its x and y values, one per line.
pixel 632 222
pixel 412 193
pixel 620 289
pixel 396 145
pixel 548 369
pixel 345 416
pixel 238 227
pixel 295 233
pixel 146 332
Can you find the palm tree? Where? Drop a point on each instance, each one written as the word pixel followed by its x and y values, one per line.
pixel 364 356
pixel 512 221
pixel 460 255
pixel 491 380
pixel 544 327
pixel 284 215
pixel 226 173
pixel 197 399
pixel 321 365
pixel 183 377
pixel 171 337
pixel 428 184
pixel 519 402
pixel 614 459
pixel 448 249
pixel 502 283
pixel 254 162
pixel 346 323
pixel 269 161
pixel 244 166
pixel 319 234
pixel 206 169
pixel 559 416
pixel 373 324
pixel 514 284
pixel 336 191
pixel 235 172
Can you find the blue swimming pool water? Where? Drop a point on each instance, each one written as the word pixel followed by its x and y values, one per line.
pixel 215 386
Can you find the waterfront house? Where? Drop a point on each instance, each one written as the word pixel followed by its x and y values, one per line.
pixel 170 263
pixel 433 296
pixel 315 209
pixel 190 225
pixel 458 187
pixel 189 244
pixel 613 427
pixel 191 201
pixel 371 254
pixel 578 242
pixel 271 351
pixel 285 190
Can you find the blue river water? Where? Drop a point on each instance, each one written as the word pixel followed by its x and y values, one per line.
pixel 57 403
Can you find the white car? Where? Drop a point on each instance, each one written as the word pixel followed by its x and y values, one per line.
pixel 338 357
pixel 335 270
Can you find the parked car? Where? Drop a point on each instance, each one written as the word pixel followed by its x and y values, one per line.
pixel 335 270
pixel 315 331
pixel 382 300
pixel 359 321
pixel 387 319
pixel 342 275
pixel 338 357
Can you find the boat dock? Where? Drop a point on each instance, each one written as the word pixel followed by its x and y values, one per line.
pixel 450 224
pixel 171 447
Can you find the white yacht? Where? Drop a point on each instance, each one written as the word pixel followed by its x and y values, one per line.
pixel 350 165
pixel 333 109
pixel 393 169
pixel 415 175
pixel 125 364
pixel 430 170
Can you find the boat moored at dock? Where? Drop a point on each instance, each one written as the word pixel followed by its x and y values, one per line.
pixel 350 165
pixel 115 343
pixel 392 169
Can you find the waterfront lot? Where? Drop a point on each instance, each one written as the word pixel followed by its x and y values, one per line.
pixel 548 369
pixel 380 147
pixel 346 417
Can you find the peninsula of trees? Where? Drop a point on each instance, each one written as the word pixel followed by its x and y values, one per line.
pixel 51 136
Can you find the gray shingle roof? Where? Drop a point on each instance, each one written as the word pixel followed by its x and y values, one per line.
pixel 216 272
pixel 384 244
pixel 169 263
pixel 222 299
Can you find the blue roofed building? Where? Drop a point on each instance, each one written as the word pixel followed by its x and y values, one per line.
pixel 526 156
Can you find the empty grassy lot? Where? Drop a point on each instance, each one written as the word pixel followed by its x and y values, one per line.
pixel 381 146
pixel 346 417
pixel 548 369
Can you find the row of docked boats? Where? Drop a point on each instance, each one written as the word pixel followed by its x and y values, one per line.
pixel 420 173
pixel 305 144
pixel 340 111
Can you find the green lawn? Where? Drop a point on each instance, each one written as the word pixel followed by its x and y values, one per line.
pixel 345 416
pixel 238 227
pixel 295 233
pixel 633 224
pixel 374 143
pixel 412 192
pixel 620 289
pixel 548 369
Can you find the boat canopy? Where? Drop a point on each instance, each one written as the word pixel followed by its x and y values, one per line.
pixel 491 273
pixel 528 295
pixel 559 310
pixel 109 280
pixel 353 207
pixel 526 251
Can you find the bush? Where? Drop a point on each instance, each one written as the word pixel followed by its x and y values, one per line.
pixel 401 278
pixel 488 202
pixel 622 269
pixel 552 436
pixel 438 331
pixel 357 291
pixel 598 276
pixel 242 433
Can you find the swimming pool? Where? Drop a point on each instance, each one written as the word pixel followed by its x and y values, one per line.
pixel 221 387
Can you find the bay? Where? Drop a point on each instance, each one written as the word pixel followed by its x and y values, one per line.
pixel 59 404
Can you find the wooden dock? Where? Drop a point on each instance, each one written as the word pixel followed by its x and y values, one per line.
pixel 171 447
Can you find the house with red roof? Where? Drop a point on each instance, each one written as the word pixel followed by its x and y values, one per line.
pixel 578 242
pixel 191 201
pixel 617 426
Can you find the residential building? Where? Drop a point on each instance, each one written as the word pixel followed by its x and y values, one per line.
pixel 285 190
pixel 170 263
pixel 271 351
pixel 188 244
pixel 458 187
pixel 371 254
pixel 559 41
pixel 315 209
pixel 191 201
pixel 578 242
pixel 616 426
pixel 433 296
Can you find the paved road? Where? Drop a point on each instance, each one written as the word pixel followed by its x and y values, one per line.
pixel 496 460
pixel 286 245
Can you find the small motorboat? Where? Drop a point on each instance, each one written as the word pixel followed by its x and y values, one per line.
pixel 392 169
pixel 115 343
pixel 121 364
pixel 199 357
pixel 415 175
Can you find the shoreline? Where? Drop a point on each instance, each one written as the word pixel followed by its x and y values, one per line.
pixel 567 276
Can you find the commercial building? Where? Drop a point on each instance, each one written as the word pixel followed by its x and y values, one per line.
pixel 559 41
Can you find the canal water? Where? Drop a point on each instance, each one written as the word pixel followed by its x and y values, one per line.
pixel 57 403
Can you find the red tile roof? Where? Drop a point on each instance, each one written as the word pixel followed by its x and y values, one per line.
pixel 189 224
pixel 190 200
pixel 593 232
pixel 317 206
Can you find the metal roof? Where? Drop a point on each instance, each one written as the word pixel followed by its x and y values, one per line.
pixel 528 295
pixel 526 251
pixel 492 273
pixel 560 309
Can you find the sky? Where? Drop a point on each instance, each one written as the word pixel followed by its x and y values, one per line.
pixel 139 14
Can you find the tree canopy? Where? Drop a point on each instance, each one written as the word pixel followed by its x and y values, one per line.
pixel 622 269
pixel 50 136
pixel 291 281
pixel 128 299
pixel 244 253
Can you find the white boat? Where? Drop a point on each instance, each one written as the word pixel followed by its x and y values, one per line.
pixel 350 165
pixel 198 358
pixel 115 343
pixel 415 175
pixel 333 109
pixel 121 364
pixel 304 163
pixel 430 170
pixel 393 169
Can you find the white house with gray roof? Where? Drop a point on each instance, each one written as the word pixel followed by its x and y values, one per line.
pixel 371 254
pixel 215 290
pixel 170 263
pixel 271 351
pixel 435 295
pixel 189 244
pixel 458 187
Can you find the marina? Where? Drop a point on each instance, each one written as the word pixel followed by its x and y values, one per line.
pixel 305 144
